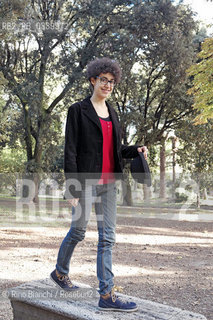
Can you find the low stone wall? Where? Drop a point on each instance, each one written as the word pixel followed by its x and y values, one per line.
pixel 43 300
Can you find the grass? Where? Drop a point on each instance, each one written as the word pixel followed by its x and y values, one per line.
pixel 55 212
pixel 14 213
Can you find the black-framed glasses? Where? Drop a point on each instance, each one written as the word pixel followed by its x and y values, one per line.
pixel 105 81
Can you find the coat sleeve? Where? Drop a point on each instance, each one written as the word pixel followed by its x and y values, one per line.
pixel 70 151
pixel 129 151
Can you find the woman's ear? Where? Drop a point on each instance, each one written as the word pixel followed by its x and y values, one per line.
pixel 92 81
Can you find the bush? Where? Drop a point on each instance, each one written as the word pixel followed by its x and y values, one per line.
pixel 180 197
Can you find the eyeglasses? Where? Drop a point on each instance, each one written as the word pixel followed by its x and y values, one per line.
pixel 106 81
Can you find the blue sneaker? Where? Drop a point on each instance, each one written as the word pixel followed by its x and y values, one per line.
pixel 63 281
pixel 115 303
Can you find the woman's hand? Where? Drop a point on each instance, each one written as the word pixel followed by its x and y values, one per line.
pixel 144 150
pixel 73 202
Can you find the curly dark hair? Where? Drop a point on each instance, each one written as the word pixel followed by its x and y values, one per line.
pixel 103 65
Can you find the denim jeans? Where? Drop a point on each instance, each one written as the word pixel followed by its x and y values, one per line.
pixel 104 197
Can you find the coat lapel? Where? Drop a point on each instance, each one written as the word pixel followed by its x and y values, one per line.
pixel 90 112
pixel 115 122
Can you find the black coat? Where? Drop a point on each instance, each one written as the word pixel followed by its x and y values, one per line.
pixel 84 144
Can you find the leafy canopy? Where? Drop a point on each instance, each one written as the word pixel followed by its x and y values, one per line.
pixel 202 88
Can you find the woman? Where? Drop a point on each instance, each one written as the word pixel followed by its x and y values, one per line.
pixel 93 161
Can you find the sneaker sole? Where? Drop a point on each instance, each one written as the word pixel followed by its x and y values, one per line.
pixel 74 289
pixel 120 310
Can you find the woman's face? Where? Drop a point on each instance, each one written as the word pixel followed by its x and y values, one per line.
pixel 103 85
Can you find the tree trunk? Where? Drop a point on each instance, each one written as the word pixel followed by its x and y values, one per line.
pixel 28 188
pixel 37 171
pixel 36 180
pixel 162 169
pixel 198 192
pixel 27 137
pixel 31 177
pixel 146 192
pixel 205 195
pixel 127 192
pixel 174 145
pixel 126 187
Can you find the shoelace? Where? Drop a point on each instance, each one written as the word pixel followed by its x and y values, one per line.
pixel 115 297
pixel 67 279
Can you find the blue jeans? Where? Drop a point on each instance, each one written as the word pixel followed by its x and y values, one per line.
pixel 104 197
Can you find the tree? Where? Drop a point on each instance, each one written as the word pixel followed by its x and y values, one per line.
pixel 11 165
pixel 152 37
pixel 54 41
pixel 12 8
pixel 202 89
pixel 10 123
pixel 152 97
pixel 196 155
pixel 167 52
pixel 10 12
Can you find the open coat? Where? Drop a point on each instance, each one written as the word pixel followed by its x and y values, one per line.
pixel 83 152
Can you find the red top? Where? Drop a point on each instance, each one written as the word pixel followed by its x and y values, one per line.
pixel 108 152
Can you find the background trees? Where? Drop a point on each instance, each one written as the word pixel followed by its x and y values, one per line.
pixel 152 97
pixel 195 153
pixel 44 61
pixel 202 88
pixel 43 57
pixel 53 42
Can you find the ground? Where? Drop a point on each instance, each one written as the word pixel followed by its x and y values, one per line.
pixel 160 260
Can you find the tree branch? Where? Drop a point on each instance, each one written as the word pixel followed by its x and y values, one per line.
pixel 64 91
pixel 168 123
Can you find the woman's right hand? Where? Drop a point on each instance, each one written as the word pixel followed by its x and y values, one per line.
pixel 73 202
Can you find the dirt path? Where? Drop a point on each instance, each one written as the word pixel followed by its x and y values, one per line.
pixel 161 260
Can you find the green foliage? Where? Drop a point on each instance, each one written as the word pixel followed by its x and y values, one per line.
pixel 202 88
pixel 42 67
pixel 152 96
pixel 200 36
pixel 42 62
pixel 195 154
pixel 12 163
pixel 12 160
pixel 12 8
pixel 10 12
pixel 53 157
pixel 10 123
pixel 180 197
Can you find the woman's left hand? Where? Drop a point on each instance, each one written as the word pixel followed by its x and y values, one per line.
pixel 144 150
